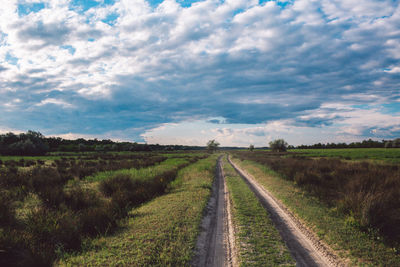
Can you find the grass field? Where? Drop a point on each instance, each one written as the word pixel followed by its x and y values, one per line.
pixel 162 232
pixel 384 154
pixel 341 232
pixel 48 210
pixel 143 209
pixel 257 239
pixel 142 173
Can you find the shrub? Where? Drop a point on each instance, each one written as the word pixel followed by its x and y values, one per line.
pixel 98 220
pixel 117 183
pixel 369 192
pixel 48 184
pixel 77 199
pixel 47 231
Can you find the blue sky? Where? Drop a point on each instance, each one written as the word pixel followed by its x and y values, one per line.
pixel 184 72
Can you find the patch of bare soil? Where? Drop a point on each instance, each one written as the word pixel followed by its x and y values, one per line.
pixel 215 244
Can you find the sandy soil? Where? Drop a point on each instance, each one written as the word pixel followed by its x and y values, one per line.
pixel 305 246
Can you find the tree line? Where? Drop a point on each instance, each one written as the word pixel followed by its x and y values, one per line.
pixel 36 144
pixel 364 144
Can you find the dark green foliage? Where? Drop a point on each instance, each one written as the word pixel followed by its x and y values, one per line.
pixel 118 183
pixel 104 162
pixel 364 144
pixel 278 145
pixel 78 199
pixel 212 146
pixel 127 192
pixel 34 143
pixel 48 184
pixel 369 192
pixel 393 144
pixel 29 144
pixel 98 219
pixel 47 230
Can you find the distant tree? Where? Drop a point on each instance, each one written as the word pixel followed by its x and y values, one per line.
pixel 278 145
pixel 212 145
pixel 388 144
pixel 25 144
pixel 251 147
pixel 396 143
pixel 393 143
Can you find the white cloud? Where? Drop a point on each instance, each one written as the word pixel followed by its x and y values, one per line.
pixel 54 101
pixel 248 63
pixel 393 70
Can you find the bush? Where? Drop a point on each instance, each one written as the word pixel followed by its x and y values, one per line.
pixel 77 199
pixel 98 220
pixel 47 231
pixel 48 184
pixel 117 183
pixel 126 192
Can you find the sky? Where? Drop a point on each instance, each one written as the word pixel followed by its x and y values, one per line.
pixel 184 72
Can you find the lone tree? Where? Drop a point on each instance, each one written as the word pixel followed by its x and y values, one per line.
pixel 251 147
pixel 278 145
pixel 212 145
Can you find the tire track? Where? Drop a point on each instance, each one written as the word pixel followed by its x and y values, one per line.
pixel 215 244
pixel 303 244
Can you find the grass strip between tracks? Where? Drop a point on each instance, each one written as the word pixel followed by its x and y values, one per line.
pixel 258 241
pixel 162 232
pixel 360 248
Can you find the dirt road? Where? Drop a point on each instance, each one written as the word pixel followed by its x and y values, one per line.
pixel 215 244
pixel 305 247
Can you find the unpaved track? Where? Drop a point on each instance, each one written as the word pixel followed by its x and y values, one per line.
pixel 305 247
pixel 215 244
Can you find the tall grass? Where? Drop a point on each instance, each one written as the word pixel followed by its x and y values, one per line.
pixel 140 173
pixel 381 154
pixel 64 214
pixel 161 232
pixel 370 193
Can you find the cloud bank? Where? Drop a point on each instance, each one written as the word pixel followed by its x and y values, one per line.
pixel 305 70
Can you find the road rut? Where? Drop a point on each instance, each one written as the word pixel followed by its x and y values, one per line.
pixel 215 244
pixel 303 244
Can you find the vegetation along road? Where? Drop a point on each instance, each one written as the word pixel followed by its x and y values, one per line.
pixel 254 245
pixel 266 232
pixel 248 208
pixel 303 244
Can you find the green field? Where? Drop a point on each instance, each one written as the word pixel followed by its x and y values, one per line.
pixel 50 210
pixel 162 232
pixel 142 173
pixel 144 209
pixel 361 245
pixel 384 154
